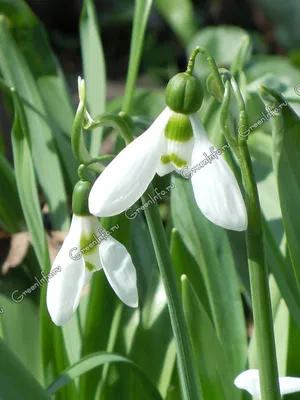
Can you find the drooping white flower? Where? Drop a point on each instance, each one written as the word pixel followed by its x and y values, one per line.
pixel 249 380
pixel 87 249
pixel 174 141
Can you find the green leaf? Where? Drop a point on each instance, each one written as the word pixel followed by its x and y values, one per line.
pixel 136 327
pixel 292 354
pixel 279 265
pixel 260 146
pixel 93 68
pixel 54 356
pixel 31 39
pixel 283 274
pixel 214 375
pixel 15 381
pixel 11 215
pixel 242 56
pixel 17 74
pixel 286 162
pixel 185 264
pixel 209 245
pixel 95 360
pixel 20 319
pixel 157 360
pixel 141 15
pixel 276 302
pixel 180 15
pixel 26 183
pixel 60 119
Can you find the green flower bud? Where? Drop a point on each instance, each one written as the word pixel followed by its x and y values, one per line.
pixel 184 93
pixel 80 198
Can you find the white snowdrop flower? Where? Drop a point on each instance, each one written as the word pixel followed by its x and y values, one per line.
pixel 175 141
pixel 249 380
pixel 87 249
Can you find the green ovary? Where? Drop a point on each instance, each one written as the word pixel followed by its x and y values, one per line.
pixel 173 158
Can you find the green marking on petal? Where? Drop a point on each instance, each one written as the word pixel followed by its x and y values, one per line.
pixel 173 158
pixel 89 266
pixel 179 128
pixel 88 244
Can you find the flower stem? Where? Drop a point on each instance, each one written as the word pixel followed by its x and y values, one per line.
pixel 258 270
pixel 259 282
pixel 186 363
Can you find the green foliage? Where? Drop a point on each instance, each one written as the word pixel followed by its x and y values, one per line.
pixel 109 351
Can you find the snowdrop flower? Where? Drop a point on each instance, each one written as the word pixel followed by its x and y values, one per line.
pixel 249 380
pixel 87 249
pixel 175 141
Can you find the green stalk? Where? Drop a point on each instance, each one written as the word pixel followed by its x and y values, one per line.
pixel 258 270
pixel 186 364
pixel 259 282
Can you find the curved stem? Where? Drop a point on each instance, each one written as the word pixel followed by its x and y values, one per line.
pixel 262 312
pixel 186 363
pixel 192 59
pixel 242 108
pixel 259 279
pixel 82 119
pixel 121 122
pixel 83 167
pixel 79 149
pixel 213 67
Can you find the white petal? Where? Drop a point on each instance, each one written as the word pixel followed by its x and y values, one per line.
pixel 164 169
pixel 215 188
pixel 127 177
pixel 249 380
pixel 64 288
pixel 93 234
pixel 183 150
pixel 119 270
pixel 289 384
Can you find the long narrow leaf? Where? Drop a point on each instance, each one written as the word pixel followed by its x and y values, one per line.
pixel 46 162
pixel 180 16
pixel 141 15
pixel 286 162
pixel 15 381
pixel 32 42
pixel 95 360
pixel 11 215
pixel 26 183
pixel 209 246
